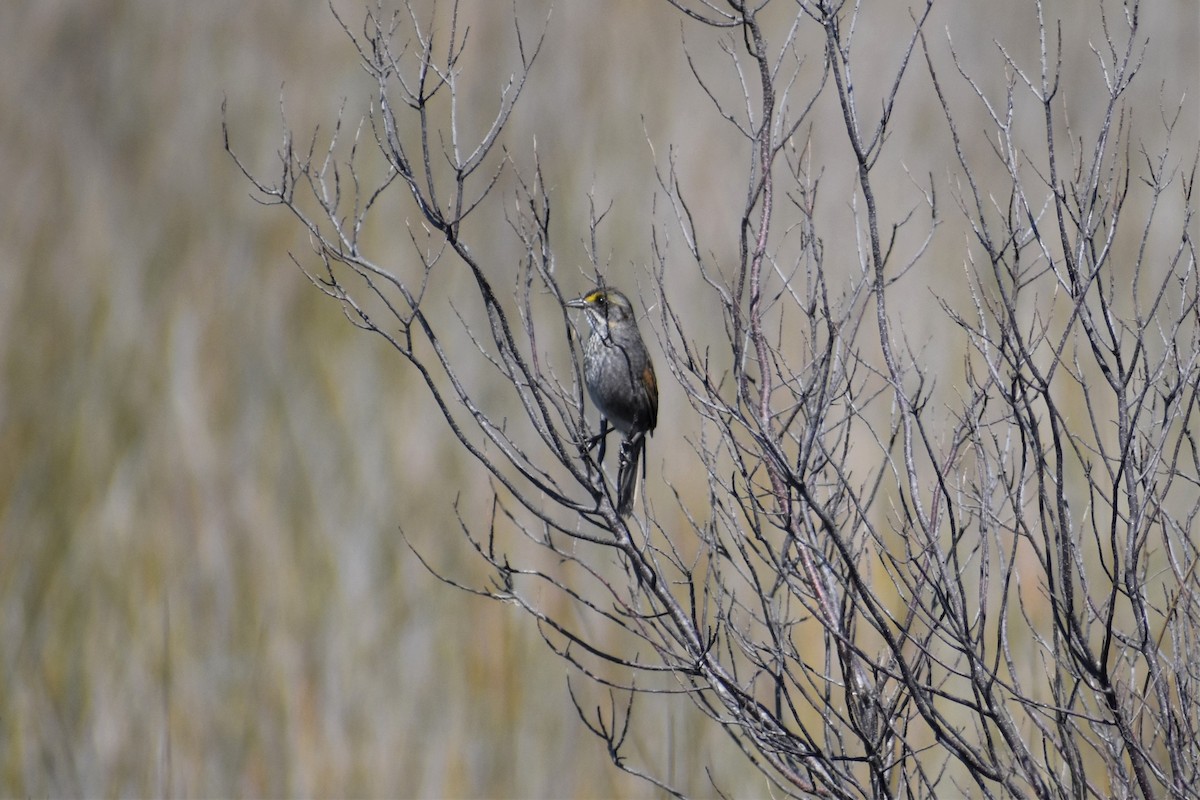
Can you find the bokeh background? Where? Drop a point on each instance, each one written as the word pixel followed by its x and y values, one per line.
pixel 204 467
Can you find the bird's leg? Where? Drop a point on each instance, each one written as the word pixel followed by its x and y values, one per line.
pixel 627 446
pixel 601 439
pixel 630 449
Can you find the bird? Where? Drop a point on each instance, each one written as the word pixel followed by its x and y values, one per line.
pixel 620 380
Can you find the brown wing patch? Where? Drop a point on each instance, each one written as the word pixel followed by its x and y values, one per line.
pixel 651 385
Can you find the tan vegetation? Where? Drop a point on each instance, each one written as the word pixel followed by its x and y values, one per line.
pixel 203 591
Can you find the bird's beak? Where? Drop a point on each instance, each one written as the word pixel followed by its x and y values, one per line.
pixel 578 302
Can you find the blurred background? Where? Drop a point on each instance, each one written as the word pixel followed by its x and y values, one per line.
pixel 204 467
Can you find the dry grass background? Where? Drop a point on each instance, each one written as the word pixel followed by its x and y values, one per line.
pixel 202 591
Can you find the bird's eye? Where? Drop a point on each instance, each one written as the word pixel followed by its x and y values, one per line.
pixel 601 300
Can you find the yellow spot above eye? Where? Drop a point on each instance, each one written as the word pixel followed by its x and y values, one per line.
pixel 595 296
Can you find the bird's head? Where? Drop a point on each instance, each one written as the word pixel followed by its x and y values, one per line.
pixel 604 307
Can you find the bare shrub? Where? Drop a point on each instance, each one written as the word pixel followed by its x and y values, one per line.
pixel 899 573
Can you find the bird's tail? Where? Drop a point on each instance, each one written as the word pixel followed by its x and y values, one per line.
pixel 627 472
